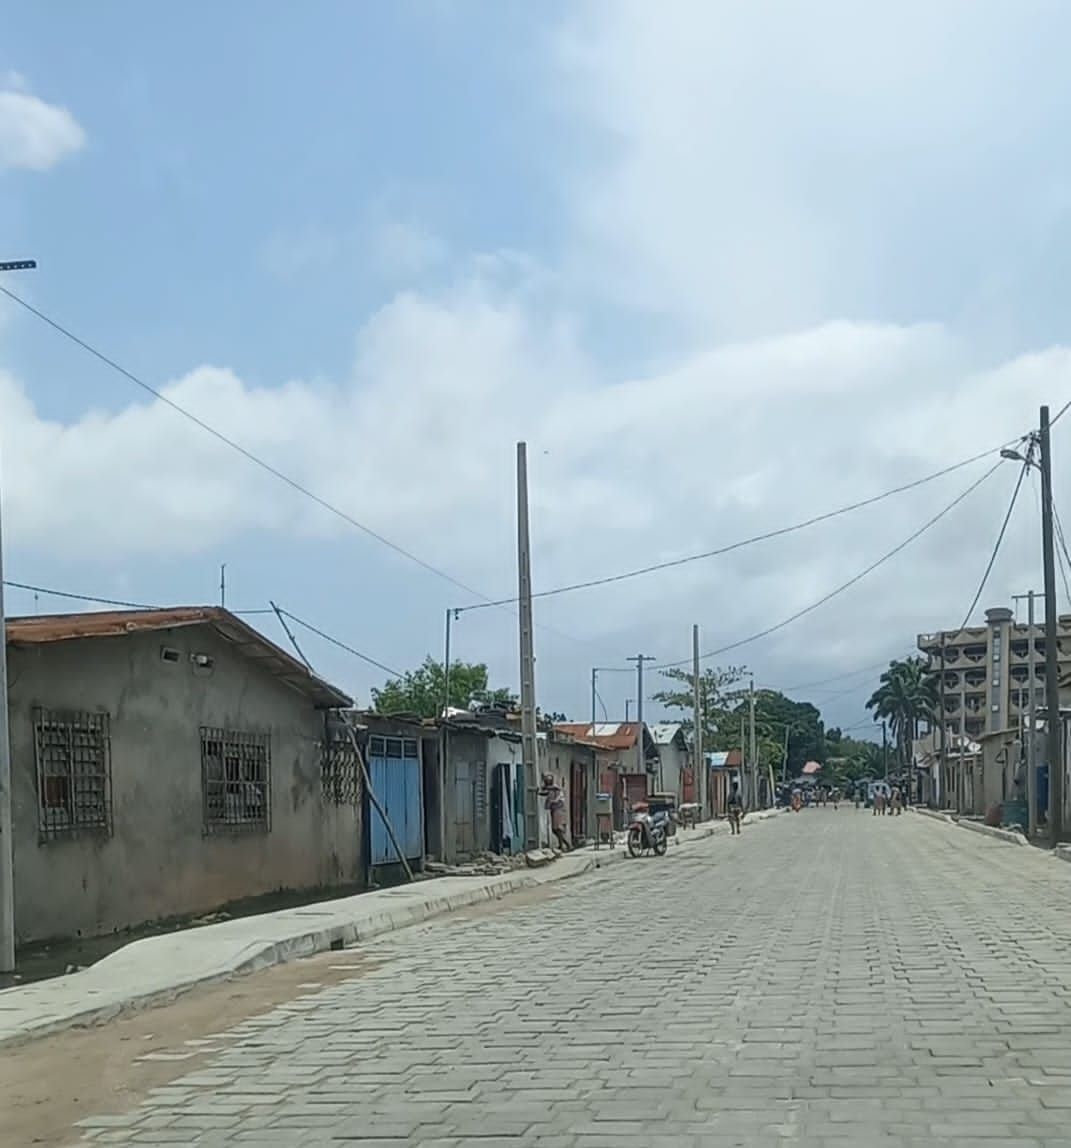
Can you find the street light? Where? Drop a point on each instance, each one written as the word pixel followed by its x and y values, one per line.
pixel 1040 440
pixel 7 850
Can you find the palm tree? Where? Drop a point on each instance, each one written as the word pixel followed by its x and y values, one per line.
pixel 906 695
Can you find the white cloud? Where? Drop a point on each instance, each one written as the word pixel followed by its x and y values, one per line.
pixel 34 135
pixel 757 165
pixel 789 192
pixel 730 442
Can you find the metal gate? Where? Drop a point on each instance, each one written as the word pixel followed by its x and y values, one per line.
pixel 470 806
pixel 394 769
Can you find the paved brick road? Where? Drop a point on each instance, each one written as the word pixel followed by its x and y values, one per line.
pixel 826 979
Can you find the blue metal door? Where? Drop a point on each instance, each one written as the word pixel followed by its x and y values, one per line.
pixel 394 770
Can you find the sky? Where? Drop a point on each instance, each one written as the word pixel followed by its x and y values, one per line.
pixel 724 268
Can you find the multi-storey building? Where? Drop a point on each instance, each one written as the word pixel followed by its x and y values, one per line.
pixel 986 670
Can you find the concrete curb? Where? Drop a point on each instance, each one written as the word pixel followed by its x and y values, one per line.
pixel 1010 836
pixel 155 970
pixel 1062 852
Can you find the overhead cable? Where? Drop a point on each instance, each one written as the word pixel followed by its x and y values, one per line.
pixel 1000 538
pixel 844 585
pixel 766 536
pixel 247 454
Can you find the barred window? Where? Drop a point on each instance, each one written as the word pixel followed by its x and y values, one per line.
pixel 340 773
pixel 235 779
pixel 74 773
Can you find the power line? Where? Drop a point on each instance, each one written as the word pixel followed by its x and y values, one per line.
pixel 1062 554
pixel 844 585
pixel 247 454
pixel 1060 412
pixel 79 597
pixel 340 644
pixel 50 591
pixel 1000 538
pixel 740 544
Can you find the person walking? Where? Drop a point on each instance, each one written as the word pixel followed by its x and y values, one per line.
pixel 736 809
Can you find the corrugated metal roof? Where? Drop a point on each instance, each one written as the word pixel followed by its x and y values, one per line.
pixel 664 732
pixel 250 643
pixel 606 735
pixel 726 759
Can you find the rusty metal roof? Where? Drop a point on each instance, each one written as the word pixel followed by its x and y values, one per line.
pixel 606 735
pixel 250 643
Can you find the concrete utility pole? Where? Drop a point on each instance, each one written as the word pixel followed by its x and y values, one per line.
pixel 939 779
pixel 1031 724
pixel 7 850
pixel 1052 676
pixel 697 732
pixel 753 746
pixel 641 756
pixel 529 743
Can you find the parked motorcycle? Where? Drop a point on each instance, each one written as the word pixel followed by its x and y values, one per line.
pixel 648 832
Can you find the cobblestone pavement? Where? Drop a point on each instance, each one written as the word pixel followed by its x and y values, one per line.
pixel 825 979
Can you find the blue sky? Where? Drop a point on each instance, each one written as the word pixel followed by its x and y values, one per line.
pixel 721 270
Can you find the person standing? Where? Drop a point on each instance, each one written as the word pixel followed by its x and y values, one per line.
pixel 554 801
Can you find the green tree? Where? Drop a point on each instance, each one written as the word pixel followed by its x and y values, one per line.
pixel 774 714
pixel 421 691
pixel 906 696
pixel 719 693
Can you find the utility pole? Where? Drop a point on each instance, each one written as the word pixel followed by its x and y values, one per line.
pixel 641 756
pixel 885 750
pixel 7 849
pixel 223 584
pixel 697 731
pixel 1031 723
pixel 1052 654
pixel 753 746
pixel 529 744
pixel 939 780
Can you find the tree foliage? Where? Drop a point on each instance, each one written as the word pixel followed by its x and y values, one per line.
pixel 421 691
pixel 719 693
pixel 906 696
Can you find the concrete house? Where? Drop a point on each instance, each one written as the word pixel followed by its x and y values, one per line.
pixel 676 773
pixel 166 762
pixel 619 770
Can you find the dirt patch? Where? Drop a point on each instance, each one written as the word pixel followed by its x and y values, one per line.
pixel 49 1084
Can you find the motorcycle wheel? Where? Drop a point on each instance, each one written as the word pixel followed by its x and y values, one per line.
pixel 635 842
pixel 660 846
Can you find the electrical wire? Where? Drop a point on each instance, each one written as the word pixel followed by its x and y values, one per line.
pixel 247 454
pixel 1000 538
pixel 340 644
pixel 50 591
pixel 844 585
pixel 743 542
pixel 1062 411
pixel 1062 554
pixel 78 597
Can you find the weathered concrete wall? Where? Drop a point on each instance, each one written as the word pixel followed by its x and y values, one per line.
pixel 159 862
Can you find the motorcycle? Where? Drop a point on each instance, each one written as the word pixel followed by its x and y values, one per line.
pixel 648 832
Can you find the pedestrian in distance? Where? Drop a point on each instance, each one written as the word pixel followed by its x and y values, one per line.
pixel 736 809
pixel 897 801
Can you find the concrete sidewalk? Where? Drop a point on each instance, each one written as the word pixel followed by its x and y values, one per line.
pixel 157 969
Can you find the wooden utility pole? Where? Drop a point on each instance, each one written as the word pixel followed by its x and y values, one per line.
pixel 699 762
pixel 529 741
